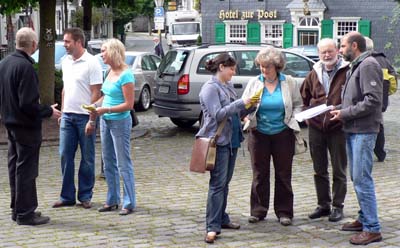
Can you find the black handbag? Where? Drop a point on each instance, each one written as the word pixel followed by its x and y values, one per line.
pixel 135 120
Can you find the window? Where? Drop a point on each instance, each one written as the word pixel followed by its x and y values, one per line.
pixel 245 63
pixel 272 33
pixel 236 32
pixel 308 22
pixel 201 69
pixel 344 25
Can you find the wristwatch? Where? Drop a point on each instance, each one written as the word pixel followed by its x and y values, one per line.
pixel 92 123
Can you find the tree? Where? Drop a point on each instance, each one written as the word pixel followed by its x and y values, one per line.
pixel 146 8
pixel 8 9
pixel 46 47
pixel 392 31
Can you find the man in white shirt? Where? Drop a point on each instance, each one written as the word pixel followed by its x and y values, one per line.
pixel 82 77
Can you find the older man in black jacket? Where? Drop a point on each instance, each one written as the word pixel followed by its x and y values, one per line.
pixel 22 115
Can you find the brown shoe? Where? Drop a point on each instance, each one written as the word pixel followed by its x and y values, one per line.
pixel 364 238
pixel 230 226
pixel 210 237
pixel 86 204
pixel 354 226
pixel 59 204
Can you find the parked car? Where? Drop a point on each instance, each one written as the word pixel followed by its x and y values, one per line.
pixel 59 54
pixel 144 66
pixel 94 46
pixel 310 51
pixel 182 73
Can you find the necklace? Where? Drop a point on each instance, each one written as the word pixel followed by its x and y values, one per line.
pixel 270 81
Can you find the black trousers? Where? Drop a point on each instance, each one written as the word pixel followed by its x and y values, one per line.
pixel 23 168
pixel 320 144
pixel 281 148
pixel 379 149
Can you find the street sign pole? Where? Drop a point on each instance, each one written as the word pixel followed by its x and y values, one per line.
pixel 159 10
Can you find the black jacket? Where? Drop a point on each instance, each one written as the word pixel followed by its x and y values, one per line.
pixel 19 93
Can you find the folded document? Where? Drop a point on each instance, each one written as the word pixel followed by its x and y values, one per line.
pixel 312 112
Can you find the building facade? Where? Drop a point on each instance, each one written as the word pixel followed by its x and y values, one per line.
pixel 288 23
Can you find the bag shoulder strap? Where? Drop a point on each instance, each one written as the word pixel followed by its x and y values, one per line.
pixel 220 127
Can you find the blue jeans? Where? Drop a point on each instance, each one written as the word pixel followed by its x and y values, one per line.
pixel 219 188
pixel 360 150
pixel 72 133
pixel 116 151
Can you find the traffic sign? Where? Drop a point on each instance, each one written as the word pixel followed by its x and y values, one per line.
pixel 159 25
pixel 159 12
pixel 158 19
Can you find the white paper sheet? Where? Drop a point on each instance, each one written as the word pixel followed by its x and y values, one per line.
pixel 312 112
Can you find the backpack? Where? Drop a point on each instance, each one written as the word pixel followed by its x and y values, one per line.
pixel 391 79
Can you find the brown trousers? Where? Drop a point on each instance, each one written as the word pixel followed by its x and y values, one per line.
pixel 281 147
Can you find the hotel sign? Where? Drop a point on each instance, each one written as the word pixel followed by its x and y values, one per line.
pixel 247 14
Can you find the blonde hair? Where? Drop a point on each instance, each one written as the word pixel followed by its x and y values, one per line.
pixel 271 55
pixel 115 51
pixel 25 38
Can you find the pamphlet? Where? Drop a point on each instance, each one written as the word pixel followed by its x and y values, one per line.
pixel 312 112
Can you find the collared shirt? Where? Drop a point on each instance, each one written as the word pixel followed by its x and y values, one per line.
pixel 78 76
pixel 327 76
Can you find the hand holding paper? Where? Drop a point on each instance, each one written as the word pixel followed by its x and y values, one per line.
pixel 312 112
pixel 255 98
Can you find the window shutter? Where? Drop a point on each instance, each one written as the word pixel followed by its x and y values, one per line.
pixel 220 32
pixel 326 29
pixel 364 27
pixel 253 32
pixel 287 35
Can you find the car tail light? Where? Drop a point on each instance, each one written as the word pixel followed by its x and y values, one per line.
pixel 183 84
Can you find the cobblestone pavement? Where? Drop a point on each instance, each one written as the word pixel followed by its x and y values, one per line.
pixel 171 200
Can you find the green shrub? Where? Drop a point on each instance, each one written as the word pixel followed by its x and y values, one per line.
pixel 58 84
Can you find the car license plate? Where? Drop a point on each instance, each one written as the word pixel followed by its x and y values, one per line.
pixel 163 89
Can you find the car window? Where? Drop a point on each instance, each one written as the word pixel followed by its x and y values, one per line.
pixel 156 60
pixel 148 64
pixel 173 61
pixel 129 60
pixel 245 63
pixel 296 65
pixel 201 68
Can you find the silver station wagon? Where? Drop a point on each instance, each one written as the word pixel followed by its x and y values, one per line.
pixel 182 73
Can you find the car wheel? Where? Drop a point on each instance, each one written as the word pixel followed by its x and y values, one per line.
pixel 183 123
pixel 145 99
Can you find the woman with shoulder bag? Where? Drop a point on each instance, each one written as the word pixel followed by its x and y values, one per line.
pixel 218 102
pixel 272 134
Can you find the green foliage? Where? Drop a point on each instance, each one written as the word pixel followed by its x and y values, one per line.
pixel 197 5
pixel 199 40
pixel 58 84
pixel 97 17
pixel 392 31
pixel 10 7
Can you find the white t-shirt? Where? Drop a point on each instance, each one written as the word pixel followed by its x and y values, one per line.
pixel 78 75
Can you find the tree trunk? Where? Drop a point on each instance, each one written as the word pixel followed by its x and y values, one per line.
pixel 10 34
pixel 46 45
pixel 65 14
pixel 87 19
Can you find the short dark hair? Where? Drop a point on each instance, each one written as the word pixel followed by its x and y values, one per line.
pixel 359 39
pixel 77 34
pixel 225 59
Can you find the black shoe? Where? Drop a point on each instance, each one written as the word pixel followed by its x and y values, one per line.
pixel 230 225
pixel 336 215
pixel 33 221
pixel 319 212
pixel 14 215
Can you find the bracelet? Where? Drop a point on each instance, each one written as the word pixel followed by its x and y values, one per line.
pixel 109 110
pixel 95 105
pixel 92 123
